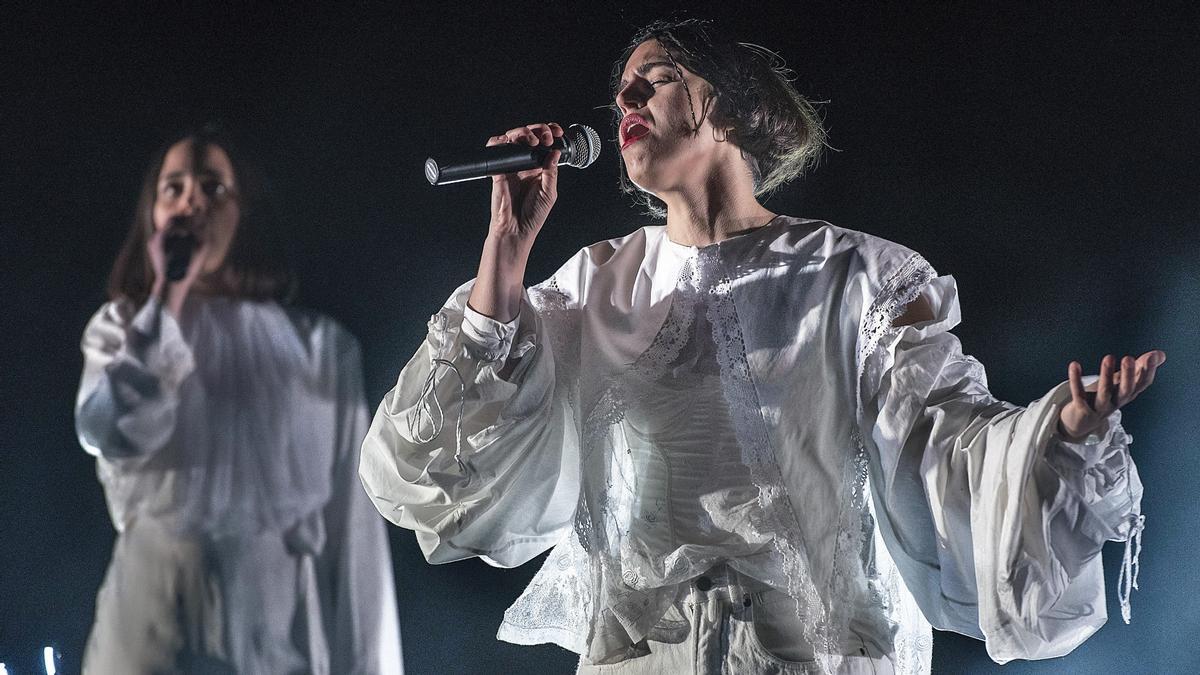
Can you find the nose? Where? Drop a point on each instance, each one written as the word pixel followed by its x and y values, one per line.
pixel 192 201
pixel 632 96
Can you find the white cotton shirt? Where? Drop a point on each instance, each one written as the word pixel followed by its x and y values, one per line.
pixel 657 409
pixel 241 423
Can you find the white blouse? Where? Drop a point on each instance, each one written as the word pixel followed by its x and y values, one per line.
pixel 657 409
pixel 244 418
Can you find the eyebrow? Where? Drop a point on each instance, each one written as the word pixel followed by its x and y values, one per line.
pixel 643 69
pixel 180 174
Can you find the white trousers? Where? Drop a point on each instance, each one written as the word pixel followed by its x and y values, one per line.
pixel 733 626
pixel 173 604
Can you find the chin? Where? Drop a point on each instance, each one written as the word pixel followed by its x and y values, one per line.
pixel 639 174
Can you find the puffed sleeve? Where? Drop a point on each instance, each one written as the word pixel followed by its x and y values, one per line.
pixel 475 447
pixel 133 366
pixel 994 523
pixel 356 559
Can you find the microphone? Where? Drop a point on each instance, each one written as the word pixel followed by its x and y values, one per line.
pixel 580 147
pixel 178 245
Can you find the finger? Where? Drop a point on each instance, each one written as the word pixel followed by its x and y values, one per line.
pixel 550 174
pixel 1151 361
pixel 554 127
pixel 1075 377
pixel 544 133
pixel 1104 388
pixel 1125 391
pixel 498 139
pixel 522 135
pixel 501 195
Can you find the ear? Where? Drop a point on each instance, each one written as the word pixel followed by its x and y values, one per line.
pixel 712 111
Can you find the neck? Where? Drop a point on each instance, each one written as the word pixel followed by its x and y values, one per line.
pixel 721 207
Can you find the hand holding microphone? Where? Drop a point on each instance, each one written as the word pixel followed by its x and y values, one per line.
pixel 177 256
pixel 521 202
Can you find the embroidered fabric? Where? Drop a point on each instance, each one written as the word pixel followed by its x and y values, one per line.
pixel 901 288
pixel 913 640
pixel 768 302
pixel 617 604
pixel 823 627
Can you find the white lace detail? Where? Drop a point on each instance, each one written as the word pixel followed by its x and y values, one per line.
pixel 913 641
pixel 822 629
pixel 583 593
pixel 559 603
pixel 901 288
pixel 561 320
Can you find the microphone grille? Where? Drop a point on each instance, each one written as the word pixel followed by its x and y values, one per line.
pixel 583 146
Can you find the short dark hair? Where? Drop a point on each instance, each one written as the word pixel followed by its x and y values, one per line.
pixel 778 130
pixel 256 267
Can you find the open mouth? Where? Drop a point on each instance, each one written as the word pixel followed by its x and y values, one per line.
pixel 634 127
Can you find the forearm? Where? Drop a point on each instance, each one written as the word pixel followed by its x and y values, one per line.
pixel 132 373
pixel 499 284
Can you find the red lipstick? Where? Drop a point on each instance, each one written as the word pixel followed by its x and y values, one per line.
pixel 634 127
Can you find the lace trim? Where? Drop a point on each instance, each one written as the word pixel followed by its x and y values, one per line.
pixel 561 320
pixel 608 412
pixel 901 288
pixel 913 642
pixel 557 605
pixel 823 626
pixel 563 604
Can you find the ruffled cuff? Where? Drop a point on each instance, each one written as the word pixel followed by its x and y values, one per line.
pixel 1099 472
pixel 486 338
pixel 1102 475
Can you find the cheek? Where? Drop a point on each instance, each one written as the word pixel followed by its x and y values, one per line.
pixel 160 215
pixel 225 222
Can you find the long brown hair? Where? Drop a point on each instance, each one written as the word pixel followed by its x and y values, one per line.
pixel 256 267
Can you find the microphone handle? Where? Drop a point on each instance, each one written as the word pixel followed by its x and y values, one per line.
pixel 177 265
pixel 490 161
pixel 178 249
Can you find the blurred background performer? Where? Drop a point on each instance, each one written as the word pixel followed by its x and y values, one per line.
pixel 749 438
pixel 225 428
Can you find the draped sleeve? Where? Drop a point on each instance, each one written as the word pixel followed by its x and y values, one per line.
pixel 355 561
pixel 134 363
pixel 475 448
pixel 995 525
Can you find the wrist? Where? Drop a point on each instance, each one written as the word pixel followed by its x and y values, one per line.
pixel 1063 434
pixel 509 247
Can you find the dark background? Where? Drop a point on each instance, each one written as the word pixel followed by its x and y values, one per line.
pixel 1046 157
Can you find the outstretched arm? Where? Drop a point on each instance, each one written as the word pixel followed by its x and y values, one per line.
pixel 1089 405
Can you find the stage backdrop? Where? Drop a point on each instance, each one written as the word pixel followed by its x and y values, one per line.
pixel 1046 157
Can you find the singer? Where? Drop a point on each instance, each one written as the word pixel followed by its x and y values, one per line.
pixel 750 439
pixel 225 427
